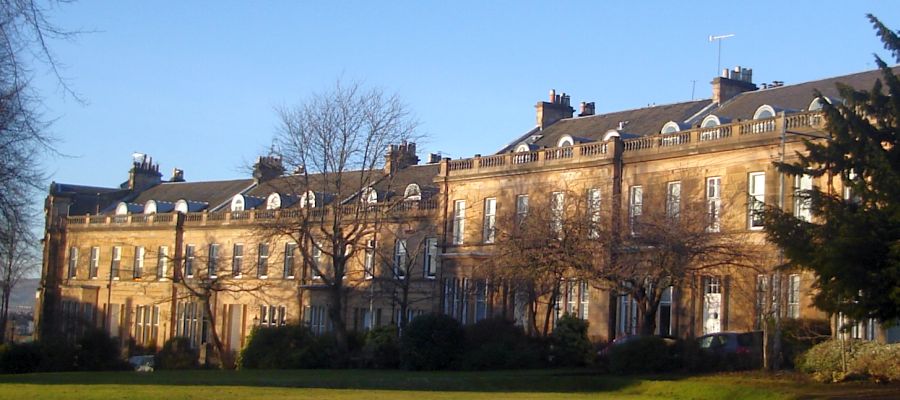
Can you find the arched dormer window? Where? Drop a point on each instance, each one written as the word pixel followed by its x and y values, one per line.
pixel 412 193
pixel 764 111
pixel 670 127
pixel 369 196
pixel 711 121
pixel 237 203
pixel 273 202
pixel 150 207
pixel 565 141
pixel 522 148
pixel 818 102
pixel 122 208
pixel 308 199
pixel 181 206
pixel 611 134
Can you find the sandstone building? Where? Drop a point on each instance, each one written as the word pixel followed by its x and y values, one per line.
pixel 131 259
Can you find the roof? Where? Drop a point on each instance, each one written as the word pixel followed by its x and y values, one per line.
pixel 795 97
pixel 212 192
pixel 87 199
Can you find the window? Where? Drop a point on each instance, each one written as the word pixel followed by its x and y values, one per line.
pixel 262 260
pixel 451 297
pixel 431 258
pixel 412 193
pixel 138 262
pixel 116 262
pixel 290 250
pixel 802 185
pixel 189 261
pixel 481 300
pixel 557 201
pixel 463 292
pixel 793 296
pixel 400 259
pixel 757 196
pixel 308 199
pixel 369 196
pixel 192 323
pixel 584 300
pixel 95 262
pixel 593 204
pixel 665 313
pixel 521 208
pixel 272 316
pixel 673 199
pixel 713 203
pixel 636 209
pixel 73 262
pixel 317 265
pixel 369 262
pixel 316 319
pixel 762 288
pixel 490 220
pixel 162 262
pixel 572 298
pixel 237 203
pixel 459 221
pixel 273 202
pixel 212 264
pixel 237 260
pixel 146 325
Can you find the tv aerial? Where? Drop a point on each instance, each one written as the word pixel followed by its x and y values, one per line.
pixel 719 38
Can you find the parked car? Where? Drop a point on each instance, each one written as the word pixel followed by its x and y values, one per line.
pixel 745 347
pixel 626 339
pixel 143 363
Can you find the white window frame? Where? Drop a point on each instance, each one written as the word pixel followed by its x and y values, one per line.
pixel 430 260
pixel 290 260
pixel 793 296
pixel 138 271
pixel 593 205
pixel 756 189
pixel 95 263
pixel 802 208
pixel 262 260
pixel 237 260
pixel 369 259
pixel 557 210
pixel 162 262
pixel 316 255
pixel 459 221
pixel 400 259
pixel 212 260
pixel 190 253
pixel 714 203
pixel 73 263
pixel 635 207
pixel 489 231
pixel 115 264
pixel 521 208
pixel 673 199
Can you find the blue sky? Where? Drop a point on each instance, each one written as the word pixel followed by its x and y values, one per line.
pixel 194 84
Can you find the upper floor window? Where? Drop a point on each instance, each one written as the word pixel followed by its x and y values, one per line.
pixel 189 251
pixel 412 192
pixel 237 203
pixel 431 258
pixel 262 260
pixel 565 141
pixel 793 296
pixel 521 208
pixel 273 202
pixel 673 199
pixel 369 195
pixel 138 262
pixel 459 221
pixel 162 262
pixel 116 262
pixel 764 111
pixel 557 204
pixel 237 260
pixel 636 209
pixel 711 121
pixel 713 203
pixel 490 220
pixel 803 184
pixel 369 261
pixel 181 206
pixel 670 127
pixel 73 262
pixel 95 263
pixel 212 263
pixel 308 199
pixel 593 205
pixel 756 189
pixel 150 207
pixel 290 252
pixel 400 258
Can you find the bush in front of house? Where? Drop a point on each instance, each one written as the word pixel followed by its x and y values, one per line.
pixel 20 358
pixel 177 353
pixel 799 335
pixel 569 343
pixel 497 343
pixel 864 360
pixel 98 352
pixel 431 342
pixel 381 348
pixel 645 355
pixel 284 347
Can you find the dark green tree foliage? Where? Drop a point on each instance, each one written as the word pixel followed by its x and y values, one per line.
pixel 285 347
pixel 382 347
pixel 431 342
pixel 854 244
pixel 497 343
pixel 177 353
pixel 570 346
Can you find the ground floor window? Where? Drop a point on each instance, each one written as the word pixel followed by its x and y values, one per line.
pixel 192 323
pixel 146 325
pixel 317 319
pixel 271 316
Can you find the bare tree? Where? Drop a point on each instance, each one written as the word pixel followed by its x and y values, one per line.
pixel 336 140
pixel 18 257
pixel 538 250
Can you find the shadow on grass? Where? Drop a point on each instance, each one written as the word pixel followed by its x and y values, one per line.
pixel 541 381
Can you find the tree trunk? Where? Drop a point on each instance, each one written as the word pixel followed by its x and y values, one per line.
pixel 217 341
pixel 551 305
pixel 4 313
pixel 335 315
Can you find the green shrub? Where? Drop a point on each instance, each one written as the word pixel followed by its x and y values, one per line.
pixel 20 358
pixel 98 352
pixel 431 342
pixel 177 353
pixel 643 355
pixel 569 344
pixel 799 335
pixel 284 347
pixel 863 360
pixel 382 348
pixel 57 355
pixel 499 344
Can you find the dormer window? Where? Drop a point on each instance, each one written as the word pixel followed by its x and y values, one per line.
pixel 273 202
pixel 611 134
pixel 670 127
pixel 369 196
pixel 122 208
pixel 565 141
pixel 412 193
pixel 711 121
pixel 237 203
pixel 181 206
pixel 522 148
pixel 818 102
pixel 150 207
pixel 308 199
pixel 764 111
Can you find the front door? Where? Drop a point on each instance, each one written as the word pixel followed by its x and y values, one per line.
pixel 712 305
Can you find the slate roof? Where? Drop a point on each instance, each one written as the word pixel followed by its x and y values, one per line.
pixel 87 199
pixel 212 192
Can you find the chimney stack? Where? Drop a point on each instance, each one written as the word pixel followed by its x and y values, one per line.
pixel 267 168
pixel 144 174
pixel 434 158
pixel 586 109
pixel 732 83
pixel 400 156
pixel 177 175
pixel 556 109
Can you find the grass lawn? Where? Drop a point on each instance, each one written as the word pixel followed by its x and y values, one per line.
pixel 367 384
